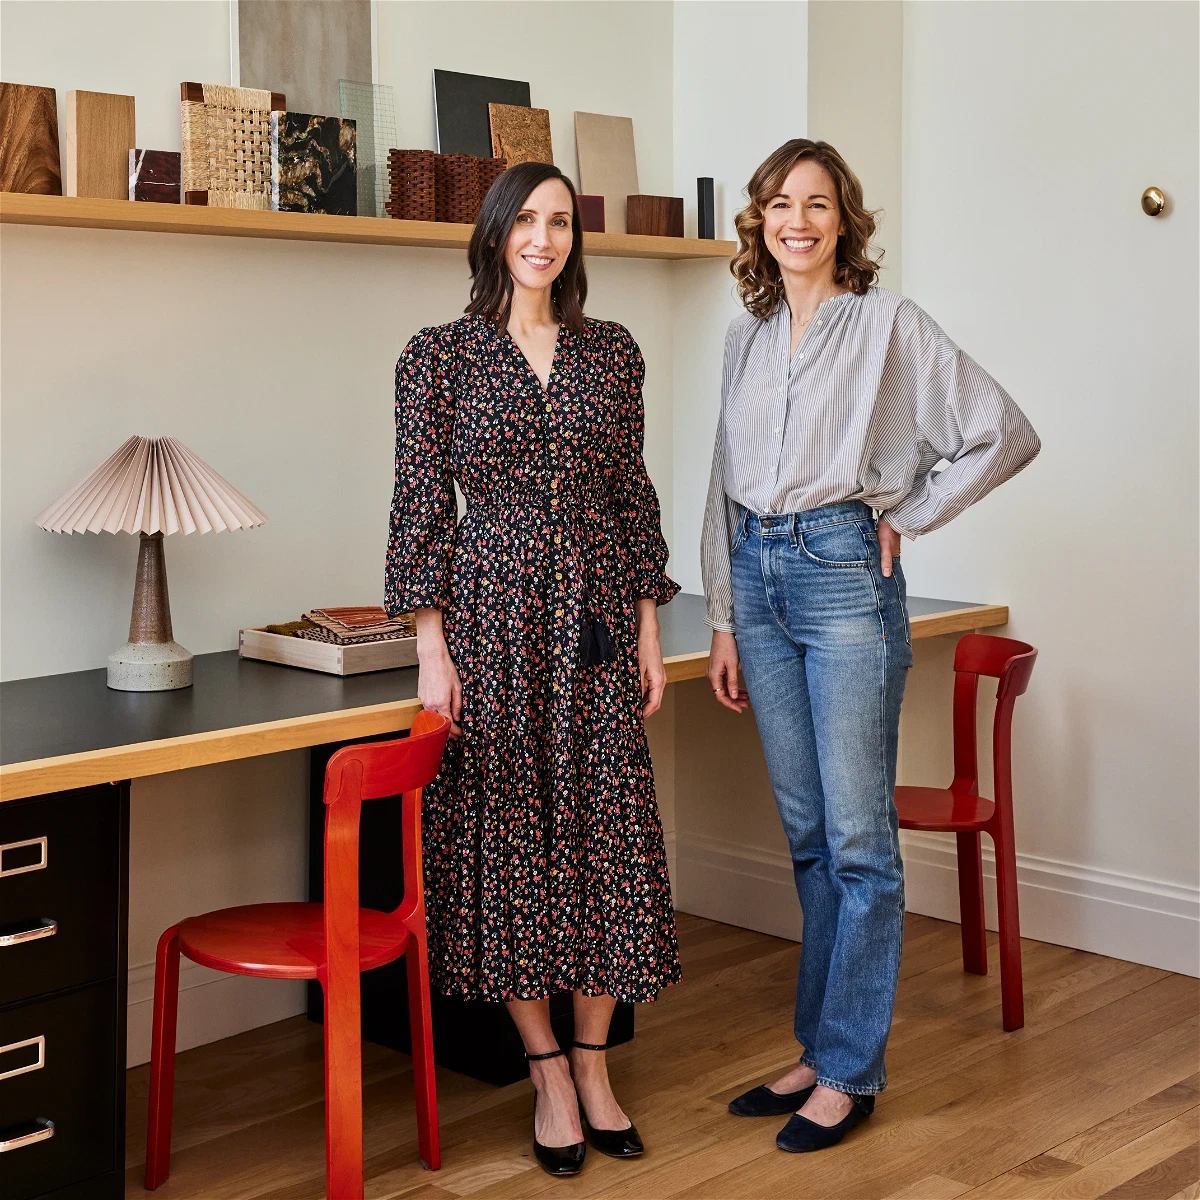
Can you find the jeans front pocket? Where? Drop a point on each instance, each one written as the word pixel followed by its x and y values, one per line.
pixel 840 545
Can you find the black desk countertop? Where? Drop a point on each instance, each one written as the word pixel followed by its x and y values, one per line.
pixel 76 713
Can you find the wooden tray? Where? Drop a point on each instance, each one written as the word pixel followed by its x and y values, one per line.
pixel 325 656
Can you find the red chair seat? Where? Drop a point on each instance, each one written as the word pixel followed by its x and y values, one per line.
pixel 940 810
pixel 263 939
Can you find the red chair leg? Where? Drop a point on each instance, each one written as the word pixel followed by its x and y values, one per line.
pixel 1012 991
pixel 343 1097
pixel 424 1078
pixel 970 903
pixel 162 1059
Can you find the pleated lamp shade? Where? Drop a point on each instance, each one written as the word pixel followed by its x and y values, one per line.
pixel 151 487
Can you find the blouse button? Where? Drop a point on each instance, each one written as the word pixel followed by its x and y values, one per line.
pixel 557 574
pixel 553 445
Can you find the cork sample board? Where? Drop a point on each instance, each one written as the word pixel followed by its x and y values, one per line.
pixel 520 134
pixel 98 138
pixel 29 140
pixel 607 163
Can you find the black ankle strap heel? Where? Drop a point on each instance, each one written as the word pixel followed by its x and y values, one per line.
pixel 557 1160
pixel 616 1143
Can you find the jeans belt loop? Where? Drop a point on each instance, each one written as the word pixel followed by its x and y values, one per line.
pixel 794 529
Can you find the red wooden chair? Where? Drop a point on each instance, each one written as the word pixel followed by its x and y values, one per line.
pixel 961 810
pixel 290 941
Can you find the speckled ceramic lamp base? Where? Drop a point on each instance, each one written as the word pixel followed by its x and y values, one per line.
pixel 151 661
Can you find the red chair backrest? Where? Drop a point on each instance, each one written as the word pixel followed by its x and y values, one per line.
pixel 366 772
pixel 1011 662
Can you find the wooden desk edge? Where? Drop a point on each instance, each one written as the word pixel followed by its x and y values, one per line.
pixel 41 776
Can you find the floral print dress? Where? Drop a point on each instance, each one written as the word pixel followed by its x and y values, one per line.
pixel 544 861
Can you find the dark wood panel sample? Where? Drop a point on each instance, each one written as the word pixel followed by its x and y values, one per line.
pixel 591 213
pixel 29 159
pixel 660 216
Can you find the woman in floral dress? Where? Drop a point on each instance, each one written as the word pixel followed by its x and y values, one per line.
pixel 544 857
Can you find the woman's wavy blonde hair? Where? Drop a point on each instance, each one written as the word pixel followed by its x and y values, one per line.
pixel 759 282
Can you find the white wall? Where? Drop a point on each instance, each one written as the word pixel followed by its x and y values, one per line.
pixel 241 348
pixel 1030 131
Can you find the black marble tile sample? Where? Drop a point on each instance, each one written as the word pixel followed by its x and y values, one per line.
pixel 460 107
pixel 312 164
pixel 155 175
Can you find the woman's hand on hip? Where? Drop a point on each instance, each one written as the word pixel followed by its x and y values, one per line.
pixel 438 685
pixel 650 661
pixel 723 672
pixel 889 545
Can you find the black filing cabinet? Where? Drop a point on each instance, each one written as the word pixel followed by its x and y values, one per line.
pixel 63 970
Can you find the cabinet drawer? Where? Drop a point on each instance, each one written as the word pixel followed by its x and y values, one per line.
pixel 57 1067
pixel 60 871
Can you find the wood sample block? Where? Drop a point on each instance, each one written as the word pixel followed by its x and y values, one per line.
pixel 460 109
pixel 99 135
pixel 29 140
pixel 313 164
pixel 661 216
pixel 520 134
pixel 591 213
pixel 607 163
pixel 154 175
pixel 227 144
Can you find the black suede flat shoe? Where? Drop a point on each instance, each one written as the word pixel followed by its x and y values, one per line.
pixel 800 1135
pixel 762 1102
pixel 616 1143
pixel 558 1160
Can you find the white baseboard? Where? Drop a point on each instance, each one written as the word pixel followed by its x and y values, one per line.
pixel 739 885
pixel 211 1006
pixel 1122 916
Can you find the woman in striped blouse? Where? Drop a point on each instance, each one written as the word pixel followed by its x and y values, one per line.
pixel 838 400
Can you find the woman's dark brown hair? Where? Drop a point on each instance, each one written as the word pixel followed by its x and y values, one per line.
pixel 491 283
pixel 759 282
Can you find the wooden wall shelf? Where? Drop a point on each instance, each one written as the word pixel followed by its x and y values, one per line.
pixel 78 212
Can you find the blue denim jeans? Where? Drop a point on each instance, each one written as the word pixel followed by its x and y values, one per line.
pixel 825 646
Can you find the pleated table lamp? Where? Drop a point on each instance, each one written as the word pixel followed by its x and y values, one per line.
pixel 151 487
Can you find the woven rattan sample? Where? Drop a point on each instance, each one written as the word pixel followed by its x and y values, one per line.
pixel 227 143
pixel 312 164
pixel 29 140
pixel 520 134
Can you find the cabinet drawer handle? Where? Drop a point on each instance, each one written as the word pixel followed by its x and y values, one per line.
pixel 37 1130
pixel 43 928
pixel 13 1047
pixel 43 857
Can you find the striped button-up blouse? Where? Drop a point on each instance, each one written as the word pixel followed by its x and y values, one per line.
pixel 874 398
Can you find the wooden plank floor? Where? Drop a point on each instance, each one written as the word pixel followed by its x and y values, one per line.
pixel 1099 1094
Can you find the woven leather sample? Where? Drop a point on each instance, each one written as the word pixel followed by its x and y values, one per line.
pixel 520 134
pixel 29 140
pixel 227 143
